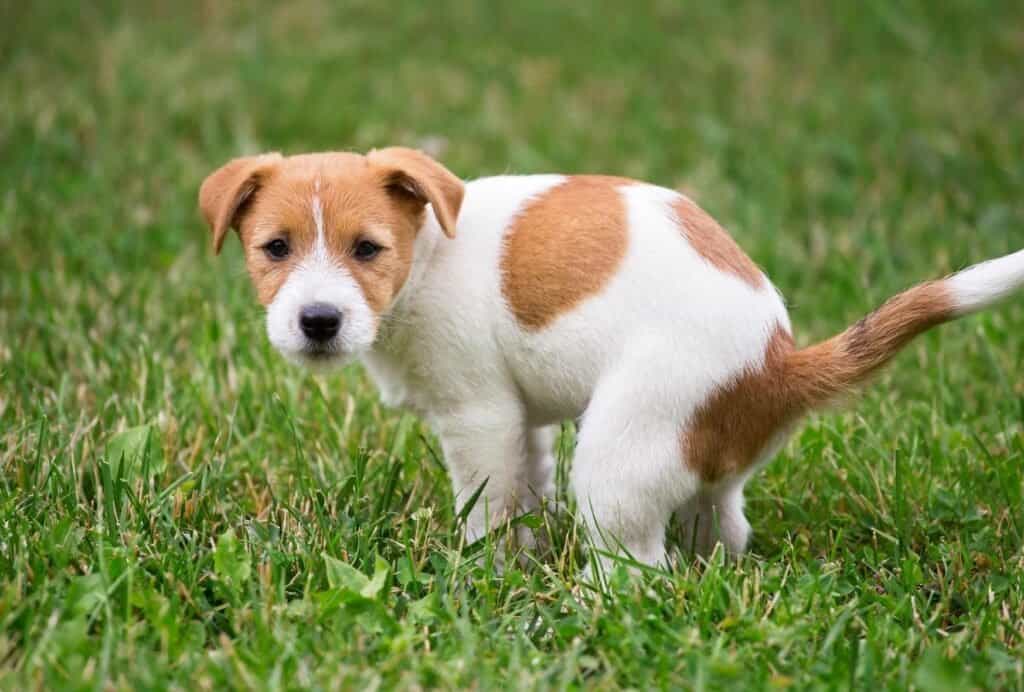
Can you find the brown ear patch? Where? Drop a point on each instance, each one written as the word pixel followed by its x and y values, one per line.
pixel 715 245
pixel 226 191
pixel 563 247
pixel 415 174
pixel 732 428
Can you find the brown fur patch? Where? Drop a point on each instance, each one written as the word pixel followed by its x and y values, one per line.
pixel 712 243
pixel 563 247
pixel 733 427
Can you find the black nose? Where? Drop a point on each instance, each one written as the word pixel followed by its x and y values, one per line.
pixel 320 321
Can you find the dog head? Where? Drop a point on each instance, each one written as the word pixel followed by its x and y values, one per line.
pixel 328 238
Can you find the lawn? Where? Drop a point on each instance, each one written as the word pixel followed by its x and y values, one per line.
pixel 181 508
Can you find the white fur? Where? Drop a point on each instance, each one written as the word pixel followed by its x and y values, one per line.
pixel 317 205
pixel 631 363
pixel 977 287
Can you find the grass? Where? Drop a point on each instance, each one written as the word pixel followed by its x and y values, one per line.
pixel 180 508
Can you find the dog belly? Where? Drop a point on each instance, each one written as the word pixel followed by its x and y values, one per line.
pixel 553 399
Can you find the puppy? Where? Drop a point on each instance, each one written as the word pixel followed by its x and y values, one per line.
pixel 497 308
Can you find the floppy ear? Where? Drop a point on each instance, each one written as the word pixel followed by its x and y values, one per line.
pixel 225 191
pixel 412 173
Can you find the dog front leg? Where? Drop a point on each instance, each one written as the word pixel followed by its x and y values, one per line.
pixel 486 445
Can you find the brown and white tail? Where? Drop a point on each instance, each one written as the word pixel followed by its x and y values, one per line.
pixel 820 373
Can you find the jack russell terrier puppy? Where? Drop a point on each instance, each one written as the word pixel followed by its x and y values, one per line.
pixel 497 308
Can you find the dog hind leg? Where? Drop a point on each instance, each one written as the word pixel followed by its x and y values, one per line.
pixel 628 474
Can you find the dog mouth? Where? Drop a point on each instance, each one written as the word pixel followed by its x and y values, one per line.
pixel 321 352
pixel 321 356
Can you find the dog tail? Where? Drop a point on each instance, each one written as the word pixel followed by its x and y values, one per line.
pixel 827 370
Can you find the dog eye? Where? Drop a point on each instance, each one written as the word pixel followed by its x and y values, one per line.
pixel 277 249
pixel 366 250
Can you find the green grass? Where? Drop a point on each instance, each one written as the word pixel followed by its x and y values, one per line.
pixel 180 508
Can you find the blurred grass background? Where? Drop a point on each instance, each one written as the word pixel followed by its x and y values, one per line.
pixel 851 148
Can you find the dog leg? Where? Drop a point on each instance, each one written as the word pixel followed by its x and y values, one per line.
pixel 733 527
pixel 485 445
pixel 628 474
pixel 715 515
pixel 697 520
